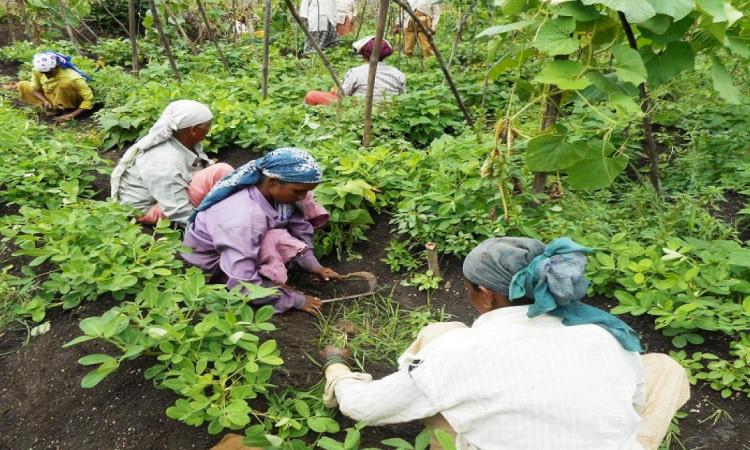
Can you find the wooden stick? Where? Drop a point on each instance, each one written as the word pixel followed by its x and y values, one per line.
pixel 266 49
pixel 68 28
pixel 374 58
pixel 133 36
pixel 361 20
pixel 163 39
pixel 439 58
pixel 185 37
pixel 315 45
pixel 211 35
pixel 433 263
pixel 460 31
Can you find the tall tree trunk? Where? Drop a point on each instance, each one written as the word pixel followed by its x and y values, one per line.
pixel 374 58
pixel 133 32
pixel 460 32
pixel 649 143
pixel 211 35
pixel 266 48
pixel 164 40
pixel 315 45
pixel 439 58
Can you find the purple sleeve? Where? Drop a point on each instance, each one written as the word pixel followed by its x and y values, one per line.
pixel 239 248
pixel 301 229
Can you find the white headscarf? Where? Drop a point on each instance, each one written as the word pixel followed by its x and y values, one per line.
pixel 176 116
pixel 44 62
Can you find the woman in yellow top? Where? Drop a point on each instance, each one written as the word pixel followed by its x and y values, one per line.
pixel 56 83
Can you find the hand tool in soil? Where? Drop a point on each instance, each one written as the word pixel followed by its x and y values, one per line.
pixel 372 283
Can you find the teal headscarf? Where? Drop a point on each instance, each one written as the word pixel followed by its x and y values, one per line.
pixel 552 276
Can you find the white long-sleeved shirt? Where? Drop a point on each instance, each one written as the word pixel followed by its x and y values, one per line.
pixel 162 175
pixel 319 14
pixel 430 8
pixel 510 382
pixel 388 81
pixel 345 9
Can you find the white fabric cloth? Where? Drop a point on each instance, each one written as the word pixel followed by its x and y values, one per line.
pixel 430 8
pixel 512 382
pixel 345 9
pixel 176 116
pixel 362 42
pixel 44 62
pixel 388 81
pixel 320 14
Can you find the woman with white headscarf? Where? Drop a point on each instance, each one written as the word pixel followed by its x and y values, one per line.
pixel 57 84
pixel 166 173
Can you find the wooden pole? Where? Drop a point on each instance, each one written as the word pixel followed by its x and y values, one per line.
pixel 68 28
pixel 361 20
pixel 459 33
pixel 439 58
pixel 374 58
pixel 649 143
pixel 163 39
pixel 315 45
pixel 132 31
pixel 180 29
pixel 211 35
pixel 266 48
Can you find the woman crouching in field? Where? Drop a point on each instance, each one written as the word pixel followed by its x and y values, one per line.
pixel 259 219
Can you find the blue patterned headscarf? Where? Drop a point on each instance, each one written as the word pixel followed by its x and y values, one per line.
pixel 48 60
pixel 289 164
pixel 552 276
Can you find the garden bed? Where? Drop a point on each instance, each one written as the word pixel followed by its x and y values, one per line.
pixel 44 407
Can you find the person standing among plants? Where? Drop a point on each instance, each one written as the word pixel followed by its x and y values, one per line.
pixel 258 220
pixel 428 13
pixel 538 369
pixel 346 16
pixel 166 174
pixel 388 79
pixel 321 18
pixel 57 85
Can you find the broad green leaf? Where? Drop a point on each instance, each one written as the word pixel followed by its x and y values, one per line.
pixel 595 173
pixel 317 424
pixel 97 358
pixel 720 10
pixel 664 66
pixel 512 7
pixel 550 153
pixel 722 82
pixel 266 348
pixel 677 9
pixel 635 10
pixel 500 29
pixel 740 257
pixel 563 74
pixel 553 37
pixel 302 408
pixel 445 440
pixel 351 441
pixel 659 24
pixel 628 64
pixel 625 104
pixel 94 377
pixel 578 11
pixel 397 443
pixel 78 340
pixel 676 31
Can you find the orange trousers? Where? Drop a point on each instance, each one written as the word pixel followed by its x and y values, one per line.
pixel 315 98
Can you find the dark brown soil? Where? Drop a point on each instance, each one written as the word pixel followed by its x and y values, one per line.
pixel 43 407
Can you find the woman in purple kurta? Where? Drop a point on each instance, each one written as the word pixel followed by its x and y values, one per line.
pixel 255 216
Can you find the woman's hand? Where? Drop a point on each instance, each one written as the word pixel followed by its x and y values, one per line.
pixel 330 351
pixel 312 305
pixel 327 274
pixel 64 118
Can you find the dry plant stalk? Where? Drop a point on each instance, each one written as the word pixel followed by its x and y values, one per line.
pixel 433 264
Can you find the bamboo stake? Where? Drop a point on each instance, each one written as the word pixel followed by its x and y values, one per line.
pixel 266 48
pixel 315 45
pixel 132 31
pixel 211 35
pixel 361 20
pixel 439 58
pixel 164 41
pixel 374 58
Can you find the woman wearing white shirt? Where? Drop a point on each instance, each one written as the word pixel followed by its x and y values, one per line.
pixel 346 16
pixel 321 22
pixel 537 370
